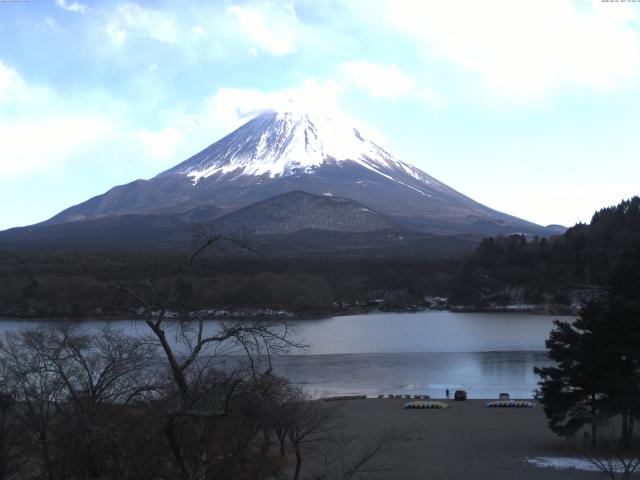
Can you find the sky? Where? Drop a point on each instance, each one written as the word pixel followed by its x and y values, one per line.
pixel 531 108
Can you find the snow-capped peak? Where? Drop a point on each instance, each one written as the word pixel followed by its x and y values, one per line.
pixel 280 144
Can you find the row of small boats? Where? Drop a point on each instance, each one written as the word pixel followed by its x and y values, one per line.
pixel 419 404
pixel 510 404
pixel 405 396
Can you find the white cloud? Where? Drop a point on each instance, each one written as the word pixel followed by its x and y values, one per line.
pixel 73 6
pixel 198 33
pixel 49 25
pixel 386 81
pixel 11 85
pixel 116 33
pixel 14 91
pixel 34 134
pixel 527 49
pixel 45 131
pixel 132 18
pixel 235 106
pixel 41 144
pixel 184 132
pixel 163 144
pixel 268 26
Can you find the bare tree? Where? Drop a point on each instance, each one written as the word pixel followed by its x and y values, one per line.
pixel 614 457
pixel 313 429
pixel 309 422
pixel 252 337
pixel 192 351
pixel 102 374
pixel 11 436
pixel 37 393
pixel 69 388
pixel 345 457
pixel 280 416
pixel 107 368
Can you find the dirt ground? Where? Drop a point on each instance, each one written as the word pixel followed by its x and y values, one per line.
pixel 465 441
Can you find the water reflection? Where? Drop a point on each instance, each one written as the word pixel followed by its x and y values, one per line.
pixel 482 374
pixel 428 331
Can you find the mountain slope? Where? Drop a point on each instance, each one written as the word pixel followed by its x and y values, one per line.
pixel 290 225
pixel 295 211
pixel 289 213
pixel 276 153
pixel 121 232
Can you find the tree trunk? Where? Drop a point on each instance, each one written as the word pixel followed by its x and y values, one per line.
pixel 266 445
pixel 176 370
pixel 282 438
pixel 594 428
pixel 625 430
pixel 46 457
pixel 174 444
pixel 296 474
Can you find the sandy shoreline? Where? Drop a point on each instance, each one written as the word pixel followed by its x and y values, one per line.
pixel 465 441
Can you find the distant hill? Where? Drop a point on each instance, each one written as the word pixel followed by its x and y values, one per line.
pixel 291 224
pixel 295 211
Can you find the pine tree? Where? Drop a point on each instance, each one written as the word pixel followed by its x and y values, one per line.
pixel 572 390
pixel 596 374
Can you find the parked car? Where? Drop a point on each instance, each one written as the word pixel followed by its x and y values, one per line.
pixel 503 396
pixel 460 395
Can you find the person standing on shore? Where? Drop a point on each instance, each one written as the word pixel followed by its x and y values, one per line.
pixel 447 393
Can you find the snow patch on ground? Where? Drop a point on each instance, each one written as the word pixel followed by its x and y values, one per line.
pixel 566 463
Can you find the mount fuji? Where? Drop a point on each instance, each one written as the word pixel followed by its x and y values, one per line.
pixel 280 152
pixel 282 174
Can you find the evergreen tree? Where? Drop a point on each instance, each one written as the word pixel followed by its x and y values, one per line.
pixel 572 390
pixel 597 360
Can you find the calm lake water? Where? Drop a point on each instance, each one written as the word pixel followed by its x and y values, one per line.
pixel 405 353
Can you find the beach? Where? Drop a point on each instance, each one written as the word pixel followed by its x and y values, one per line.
pixel 465 441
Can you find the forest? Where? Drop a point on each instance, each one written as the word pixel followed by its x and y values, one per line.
pixel 559 271
pixel 516 268
pixel 79 285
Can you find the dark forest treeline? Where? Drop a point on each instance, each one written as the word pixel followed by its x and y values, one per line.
pixel 84 285
pixel 539 269
pixel 559 271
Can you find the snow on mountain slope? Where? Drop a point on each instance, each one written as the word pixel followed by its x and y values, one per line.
pixel 285 143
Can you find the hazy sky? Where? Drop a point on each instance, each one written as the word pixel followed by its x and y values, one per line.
pixel 530 107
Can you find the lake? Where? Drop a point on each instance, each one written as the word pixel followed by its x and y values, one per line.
pixel 421 353
pixel 405 353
